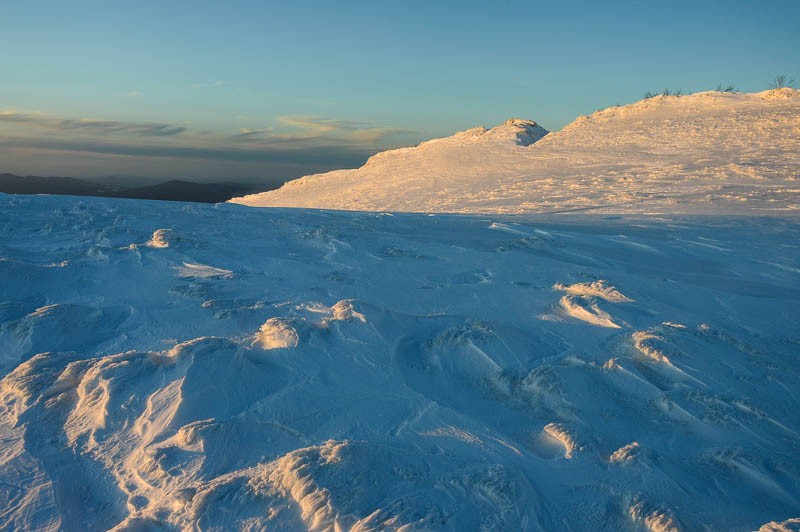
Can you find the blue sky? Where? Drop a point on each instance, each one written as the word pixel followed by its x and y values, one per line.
pixel 268 90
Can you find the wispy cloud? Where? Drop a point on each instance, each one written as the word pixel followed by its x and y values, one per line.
pixel 91 126
pixel 132 94
pixel 321 124
pixel 252 134
pixel 314 142
pixel 350 130
pixel 13 116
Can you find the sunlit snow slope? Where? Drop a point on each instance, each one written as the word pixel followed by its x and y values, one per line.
pixel 187 366
pixel 709 152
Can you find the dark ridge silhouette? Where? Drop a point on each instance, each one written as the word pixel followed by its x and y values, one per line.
pixel 189 191
pixel 175 190
pixel 13 184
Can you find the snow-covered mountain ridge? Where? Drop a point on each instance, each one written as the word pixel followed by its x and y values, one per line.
pixel 709 152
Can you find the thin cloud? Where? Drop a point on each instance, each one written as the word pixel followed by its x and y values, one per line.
pixel 294 129
pixel 268 137
pixel 91 126
pixel 132 94
pixel 318 123
pixel 13 116
pixel 218 83
pixel 346 130
pixel 251 134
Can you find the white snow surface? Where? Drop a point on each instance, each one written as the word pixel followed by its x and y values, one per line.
pixel 303 370
pixel 709 152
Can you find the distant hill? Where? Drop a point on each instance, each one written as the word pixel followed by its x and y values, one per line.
pixel 171 190
pixel 188 191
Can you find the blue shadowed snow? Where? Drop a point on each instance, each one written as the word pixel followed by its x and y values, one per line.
pixel 220 366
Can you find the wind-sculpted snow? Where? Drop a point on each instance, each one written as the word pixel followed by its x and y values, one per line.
pixel 709 152
pixel 179 366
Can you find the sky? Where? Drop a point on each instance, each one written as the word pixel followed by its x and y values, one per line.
pixel 262 91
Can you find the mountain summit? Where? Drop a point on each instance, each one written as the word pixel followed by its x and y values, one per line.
pixel 515 130
pixel 526 131
pixel 709 152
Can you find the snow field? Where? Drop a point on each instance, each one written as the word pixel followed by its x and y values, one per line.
pixel 367 371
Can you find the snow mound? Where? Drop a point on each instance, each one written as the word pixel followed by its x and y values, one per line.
pixel 587 311
pixel 202 271
pixel 516 130
pixel 625 454
pixel 648 344
pixel 276 333
pixel 704 153
pixel 790 525
pixel 64 326
pixel 599 289
pixel 560 433
pixel 343 311
pixel 654 520
pixel 161 238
